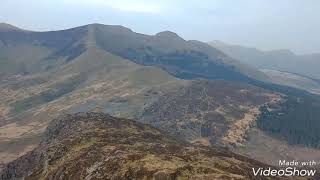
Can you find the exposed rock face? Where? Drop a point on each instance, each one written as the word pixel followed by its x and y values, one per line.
pixel 98 146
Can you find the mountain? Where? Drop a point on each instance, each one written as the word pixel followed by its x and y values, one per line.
pixel 281 60
pixel 150 78
pixel 4 27
pixel 99 146
pixel 94 79
pixel 293 80
pixel 165 50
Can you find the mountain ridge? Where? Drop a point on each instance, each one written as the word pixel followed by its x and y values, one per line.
pixel 4 27
pixel 140 48
pixel 282 60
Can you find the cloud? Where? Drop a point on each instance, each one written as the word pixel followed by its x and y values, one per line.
pixel 137 6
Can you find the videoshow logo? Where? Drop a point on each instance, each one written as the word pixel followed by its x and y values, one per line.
pixel 292 168
pixel 289 171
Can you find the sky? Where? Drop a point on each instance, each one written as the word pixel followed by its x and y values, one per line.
pixel 264 24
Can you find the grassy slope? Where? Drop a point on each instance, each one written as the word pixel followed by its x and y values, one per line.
pixel 21 59
pixel 95 79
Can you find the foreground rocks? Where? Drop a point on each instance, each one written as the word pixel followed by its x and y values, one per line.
pixel 99 146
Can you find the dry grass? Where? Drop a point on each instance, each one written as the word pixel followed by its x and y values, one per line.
pixel 237 132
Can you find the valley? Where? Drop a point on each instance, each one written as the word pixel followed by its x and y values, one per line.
pixel 209 103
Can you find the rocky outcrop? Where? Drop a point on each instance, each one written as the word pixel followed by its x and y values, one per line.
pixel 99 146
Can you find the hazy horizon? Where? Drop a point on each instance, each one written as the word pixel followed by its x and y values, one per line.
pixel 263 24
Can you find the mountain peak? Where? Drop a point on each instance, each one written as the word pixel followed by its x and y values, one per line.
pixel 4 27
pixel 114 28
pixel 168 34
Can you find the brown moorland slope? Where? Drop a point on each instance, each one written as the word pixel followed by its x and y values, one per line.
pixel 99 146
pixel 210 112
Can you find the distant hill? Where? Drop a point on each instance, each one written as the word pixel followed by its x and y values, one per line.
pixel 4 27
pixel 99 146
pixel 293 80
pixel 282 60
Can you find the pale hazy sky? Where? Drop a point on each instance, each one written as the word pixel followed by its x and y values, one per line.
pixel 266 24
